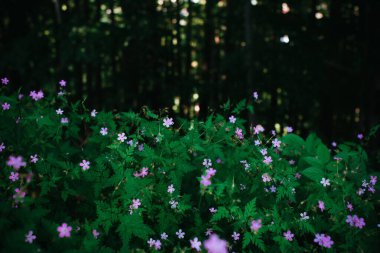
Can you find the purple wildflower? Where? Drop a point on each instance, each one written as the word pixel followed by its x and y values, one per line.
pixel 30 237
pixel 288 235
pixel 64 230
pixel 215 245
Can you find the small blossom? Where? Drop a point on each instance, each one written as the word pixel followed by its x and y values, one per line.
pixel 136 203
pixel 235 236
pixel 267 160
pixel 258 129
pixel 276 143
pixel 210 172
pixel 2 147
pixel 164 236
pixel 168 122
pixel 207 163
pixel 195 244
pixel 323 240
pixel 93 113
pixel 360 136
pixel 5 81
pixel 65 120
pixel 64 230
pixel 36 95
pixel 6 106
pixel 173 204
pixel 16 162
pixel 257 142
pixel 212 210
pixel 325 182
pixel 121 137
pixel 14 176
pixel 34 158
pixel 85 165
pixel 62 83
pixel 355 221
pixel 209 232
pixel 104 131
pixel 373 180
pixel 289 129
pixel 141 147
pixel 334 144
pixel 95 233
pixel 151 242
pixel 371 189
pixel 350 207
pixel 298 175
pixel 157 244
pixel 205 180
pixel 361 191
pixel 256 225
pixel 19 195
pixel 59 111
pixel 263 151
pixel 171 189
pixel 288 235
pixel 273 188
pixel 232 119
pixel 304 216
pixel 215 245
pixel 255 95
pixel 144 172
pixel 239 133
pixel 321 205
pixel 266 177
pixel 30 237
pixel 180 234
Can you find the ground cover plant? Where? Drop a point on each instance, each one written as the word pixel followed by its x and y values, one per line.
pixel 76 180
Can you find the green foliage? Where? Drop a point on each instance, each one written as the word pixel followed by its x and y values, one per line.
pixel 103 197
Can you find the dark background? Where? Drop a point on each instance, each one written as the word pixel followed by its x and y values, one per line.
pixel 123 54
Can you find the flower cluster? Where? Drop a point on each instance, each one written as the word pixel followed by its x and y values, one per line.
pixel 355 221
pixel 210 172
pixel 323 240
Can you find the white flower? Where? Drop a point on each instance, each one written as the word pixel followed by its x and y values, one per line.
pixel 180 234
pixel 168 122
pixel 325 182
pixel 304 216
pixel 59 111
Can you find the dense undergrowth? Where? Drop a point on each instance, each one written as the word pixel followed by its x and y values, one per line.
pixel 75 180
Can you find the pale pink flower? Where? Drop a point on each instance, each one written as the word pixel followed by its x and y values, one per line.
pixel 30 237
pixel 64 230
pixel 168 122
pixel 215 245
pixel 288 235
pixel 14 176
pixel 16 162
pixel 195 244
pixel 321 205
pixel 235 236
pixel 85 165
pixel 232 119
pixel 256 225
pixel 95 233
pixel 6 106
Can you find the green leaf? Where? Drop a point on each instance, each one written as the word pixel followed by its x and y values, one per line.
pixel 323 153
pixel 313 173
pixel 250 209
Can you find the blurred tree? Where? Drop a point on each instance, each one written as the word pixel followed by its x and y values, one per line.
pixel 315 63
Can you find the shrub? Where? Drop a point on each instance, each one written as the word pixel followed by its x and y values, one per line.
pixel 72 180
